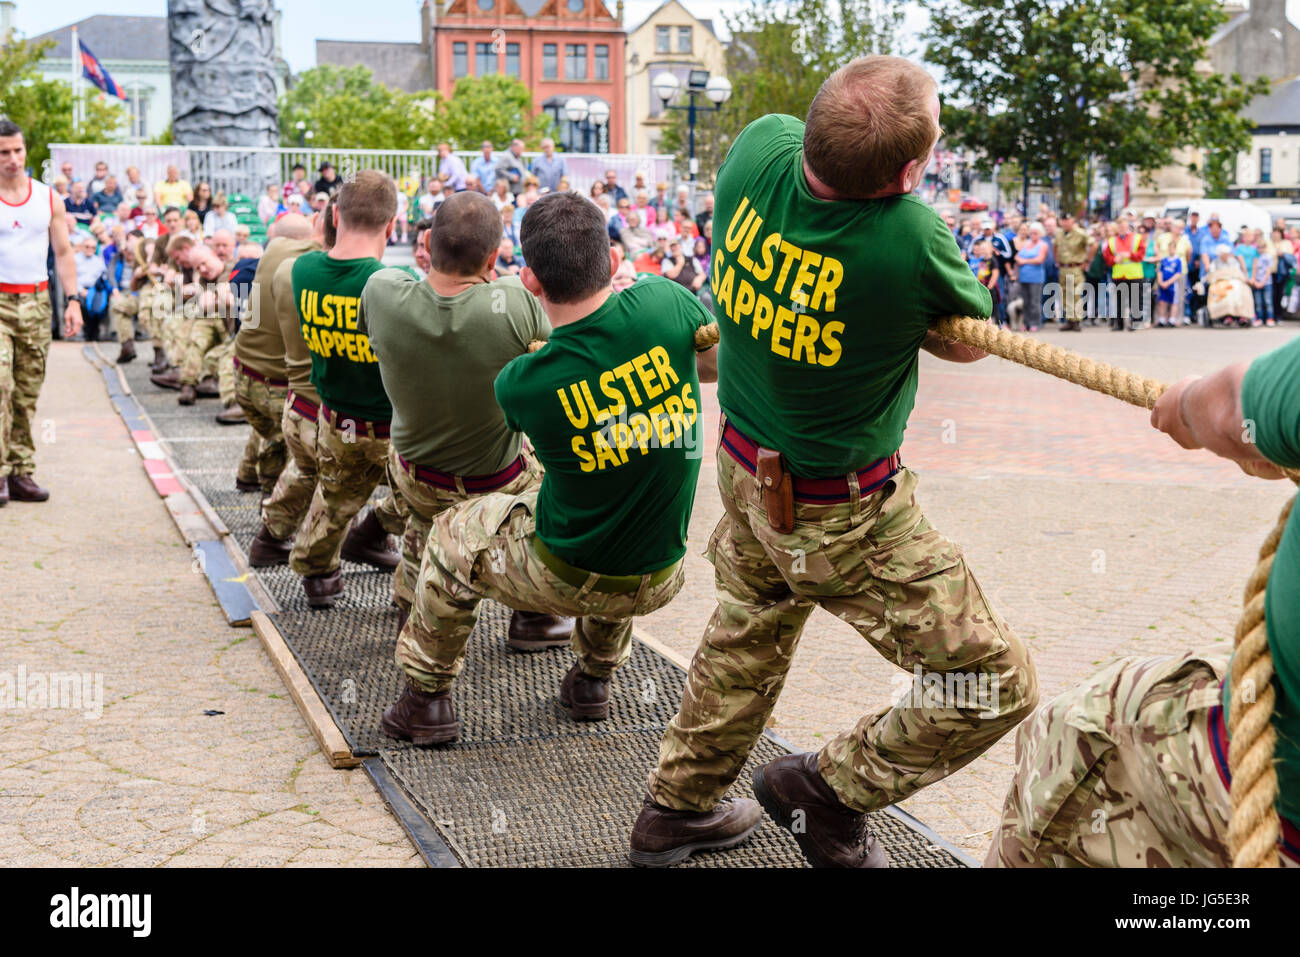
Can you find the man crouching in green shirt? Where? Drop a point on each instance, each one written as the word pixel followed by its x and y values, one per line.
pixel 612 406
pixel 441 341
pixel 1145 741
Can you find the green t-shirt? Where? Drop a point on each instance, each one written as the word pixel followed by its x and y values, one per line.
pixel 343 367
pixel 438 356
pixel 823 306
pixel 1270 397
pixel 612 407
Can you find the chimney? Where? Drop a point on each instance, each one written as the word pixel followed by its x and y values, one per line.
pixel 7 8
pixel 618 11
pixel 427 17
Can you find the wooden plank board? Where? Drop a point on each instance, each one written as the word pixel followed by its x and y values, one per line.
pixel 332 743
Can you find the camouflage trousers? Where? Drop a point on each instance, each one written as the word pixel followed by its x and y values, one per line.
pixel 483 549
pixel 1120 772
pixel 263 406
pixel 176 336
pixel 283 512
pixel 426 502
pixel 877 564
pixel 154 309
pixel 24 345
pixel 349 467
pixel 123 308
pixel 203 349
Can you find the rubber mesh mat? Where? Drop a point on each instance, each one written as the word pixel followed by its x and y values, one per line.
pixel 525 785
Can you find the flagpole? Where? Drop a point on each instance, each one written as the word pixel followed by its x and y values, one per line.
pixel 76 80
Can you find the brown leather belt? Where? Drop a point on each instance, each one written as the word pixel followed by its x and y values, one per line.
pixel 304 407
pixel 819 491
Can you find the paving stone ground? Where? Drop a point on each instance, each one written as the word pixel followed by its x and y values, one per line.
pixel 98 580
pixel 1095 536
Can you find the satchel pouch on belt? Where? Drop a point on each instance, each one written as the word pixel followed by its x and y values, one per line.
pixel 778 490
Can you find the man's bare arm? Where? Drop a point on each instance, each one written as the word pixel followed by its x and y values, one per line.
pixel 65 264
pixel 950 351
pixel 1206 413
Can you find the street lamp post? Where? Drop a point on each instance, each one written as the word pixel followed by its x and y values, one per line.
pixel 591 115
pixel 717 89
pixel 304 134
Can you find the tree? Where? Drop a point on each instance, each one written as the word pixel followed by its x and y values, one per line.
pixel 1053 82
pixel 781 52
pixel 346 108
pixel 43 108
pixel 492 107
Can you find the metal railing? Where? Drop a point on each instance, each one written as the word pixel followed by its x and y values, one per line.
pixel 233 170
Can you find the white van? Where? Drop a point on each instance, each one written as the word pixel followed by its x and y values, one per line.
pixel 1235 214
pixel 1288 214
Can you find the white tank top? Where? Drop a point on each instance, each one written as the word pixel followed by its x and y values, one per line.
pixel 25 236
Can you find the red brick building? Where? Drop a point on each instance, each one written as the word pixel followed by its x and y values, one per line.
pixel 558 48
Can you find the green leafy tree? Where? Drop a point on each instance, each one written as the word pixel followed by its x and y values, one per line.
pixel 491 107
pixel 1052 82
pixel 43 108
pixel 781 52
pixel 346 108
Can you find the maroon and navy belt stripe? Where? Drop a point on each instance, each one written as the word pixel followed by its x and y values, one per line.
pixel 257 376
pixel 379 430
pixel 304 407
pixel 820 491
pixel 471 483
pixel 1290 842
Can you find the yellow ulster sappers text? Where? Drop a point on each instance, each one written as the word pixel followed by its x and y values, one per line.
pixel 329 323
pixel 602 411
pixel 804 279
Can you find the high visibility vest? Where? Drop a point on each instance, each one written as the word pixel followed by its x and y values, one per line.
pixel 1125 270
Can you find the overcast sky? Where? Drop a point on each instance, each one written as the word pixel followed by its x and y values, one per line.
pixel 305 21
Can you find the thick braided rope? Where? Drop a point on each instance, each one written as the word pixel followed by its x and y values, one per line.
pixel 1254 828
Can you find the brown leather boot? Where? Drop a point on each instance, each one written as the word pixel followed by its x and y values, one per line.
pixel 584 697
pixel 159 364
pixel 127 352
pixel 533 631
pixel 187 395
pixel 23 488
pixel 266 550
pixel 207 388
pixel 232 415
pixel 662 837
pixel 422 718
pixel 247 485
pixel 367 544
pixel 167 379
pixel 1072 325
pixel 830 834
pixel 323 589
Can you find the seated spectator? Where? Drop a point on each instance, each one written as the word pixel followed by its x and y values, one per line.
pixel 634 237
pixel 428 201
pixel 507 262
pixel 270 205
pixel 97 181
pixel 108 196
pixel 192 223
pixel 172 220
pixel 296 204
pixel 501 195
pixel 90 269
pixel 329 181
pixel 296 175
pixel 531 193
pixel 172 191
pixel 222 242
pixel 651 260
pixel 60 185
pixel 660 204
pixel 134 182
pixel 320 201
pixel 597 189
pixel 202 201
pixel 150 227
pixel 680 268
pixel 472 183
pixel 701 254
pixel 122 214
pixel 564 186
pixel 684 200
pixel 647 212
pixel 79 205
pixel 683 225
pixel 219 216
pixel 242 234
pixel 141 200
pixel 508 228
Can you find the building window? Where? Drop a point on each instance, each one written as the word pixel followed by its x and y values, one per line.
pixel 459 59
pixel 683 39
pixel 550 62
pixel 575 61
pixel 663 39
pixel 602 61
pixel 512 59
pixel 1266 166
pixel 138 108
pixel 485 59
